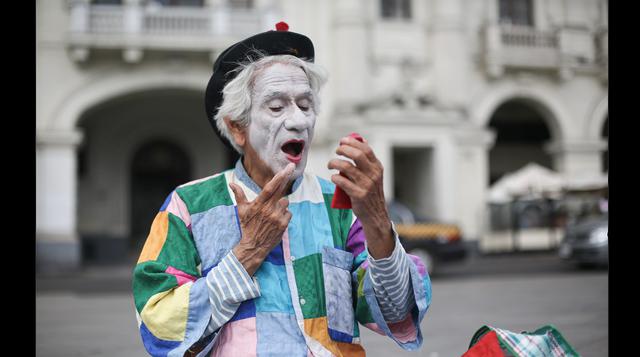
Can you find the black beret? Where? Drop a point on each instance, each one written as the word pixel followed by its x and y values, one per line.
pixel 278 42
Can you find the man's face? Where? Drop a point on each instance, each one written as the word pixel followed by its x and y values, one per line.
pixel 282 117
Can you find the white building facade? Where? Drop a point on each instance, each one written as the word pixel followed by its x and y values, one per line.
pixel 451 94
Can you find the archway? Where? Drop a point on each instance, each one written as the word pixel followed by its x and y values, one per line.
pixel 138 147
pixel 521 133
pixel 157 168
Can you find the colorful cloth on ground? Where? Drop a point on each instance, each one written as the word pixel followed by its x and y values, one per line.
pixel 543 342
pixel 310 292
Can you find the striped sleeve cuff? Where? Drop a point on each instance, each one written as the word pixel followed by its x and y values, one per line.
pixel 392 282
pixel 229 285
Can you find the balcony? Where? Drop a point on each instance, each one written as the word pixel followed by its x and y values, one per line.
pixel 134 27
pixel 563 50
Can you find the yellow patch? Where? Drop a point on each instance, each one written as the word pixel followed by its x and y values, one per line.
pixel 166 313
pixel 157 237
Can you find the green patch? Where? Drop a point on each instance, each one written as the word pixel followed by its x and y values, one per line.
pixel 205 195
pixel 310 284
pixel 340 220
pixel 149 278
pixel 363 313
pixel 360 274
pixel 179 250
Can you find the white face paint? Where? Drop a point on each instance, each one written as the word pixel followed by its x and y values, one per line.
pixel 282 117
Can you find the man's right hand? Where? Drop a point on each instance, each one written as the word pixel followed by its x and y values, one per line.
pixel 263 220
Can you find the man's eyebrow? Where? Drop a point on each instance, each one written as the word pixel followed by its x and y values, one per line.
pixel 283 95
pixel 275 95
pixel 305 95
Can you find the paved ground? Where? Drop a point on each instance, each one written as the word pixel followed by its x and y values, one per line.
pixel 92 313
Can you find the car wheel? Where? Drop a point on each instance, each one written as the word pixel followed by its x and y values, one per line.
pixel 426 258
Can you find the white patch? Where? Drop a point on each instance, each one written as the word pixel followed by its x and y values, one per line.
pixel 281 110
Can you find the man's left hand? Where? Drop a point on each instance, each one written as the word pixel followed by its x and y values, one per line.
pixel 363 183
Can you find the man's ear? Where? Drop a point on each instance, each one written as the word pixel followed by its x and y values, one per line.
pixel 237 131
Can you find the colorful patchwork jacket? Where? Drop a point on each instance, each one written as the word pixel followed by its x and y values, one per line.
pixel 307 298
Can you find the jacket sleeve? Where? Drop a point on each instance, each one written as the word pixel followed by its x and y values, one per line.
pixel 177 308
pixel 404 331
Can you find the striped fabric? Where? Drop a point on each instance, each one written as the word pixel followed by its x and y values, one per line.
pixel 309 295
pixel 229 285
pixel 392 284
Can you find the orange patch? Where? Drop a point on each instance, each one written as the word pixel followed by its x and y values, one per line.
pixel 157 237
pixel 351 349
pixel 318 329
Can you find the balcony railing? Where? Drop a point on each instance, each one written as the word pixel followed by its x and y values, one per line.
pixel 524 47
pixel 137 27
pixel 525 36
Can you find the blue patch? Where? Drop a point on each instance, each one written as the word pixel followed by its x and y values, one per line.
pixel 309 228
pixel 327 187
pixel 166 202
pixel 276 256
pixel 246 310
pixel 274 289
pixel 215 233
pixel 340 336
pixel 279 335
pixel 154 345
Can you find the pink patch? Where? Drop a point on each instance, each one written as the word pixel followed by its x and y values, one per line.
pixel 374 327
pixel 181 276
pixel 179 209
pixel 419 265
pixel 237 338
pixel 404 331
pixel 286 250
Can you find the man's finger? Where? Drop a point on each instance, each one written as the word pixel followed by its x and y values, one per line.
pixel 277 185
pixel 350 188
pixel 348 170
pixel 362 146
pixel 238 193
pixel 283 203
pixel 358 156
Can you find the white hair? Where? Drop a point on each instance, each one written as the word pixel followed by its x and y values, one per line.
pixel 236 95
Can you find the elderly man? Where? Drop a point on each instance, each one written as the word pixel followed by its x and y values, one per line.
pixel 255 260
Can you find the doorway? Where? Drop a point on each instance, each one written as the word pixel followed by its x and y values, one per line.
pixel 157 168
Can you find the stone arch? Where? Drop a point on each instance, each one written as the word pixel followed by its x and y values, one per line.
pixel 598 117
pixel 68 114
pixel 551 110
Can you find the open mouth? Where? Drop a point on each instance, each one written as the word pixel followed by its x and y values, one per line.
pixel 293 149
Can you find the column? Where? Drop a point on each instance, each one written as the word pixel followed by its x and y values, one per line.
pixel 79 25
pixel 133 24
pixel 57 244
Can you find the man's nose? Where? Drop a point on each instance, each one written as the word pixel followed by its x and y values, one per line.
pixel 297 121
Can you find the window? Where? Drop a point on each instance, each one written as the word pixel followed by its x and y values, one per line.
pixel 516 12
pixel 241 4
pixel 195 3
pixel 396 9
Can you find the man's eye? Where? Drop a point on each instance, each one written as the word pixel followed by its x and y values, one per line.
pixel 304 106
pixel 276 109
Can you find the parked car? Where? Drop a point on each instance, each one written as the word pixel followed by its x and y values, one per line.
pixel 434 242
pixel 587 242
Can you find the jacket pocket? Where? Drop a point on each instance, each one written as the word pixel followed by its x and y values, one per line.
pixel 336 268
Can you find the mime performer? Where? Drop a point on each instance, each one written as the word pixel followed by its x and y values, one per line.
pixel 255 260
